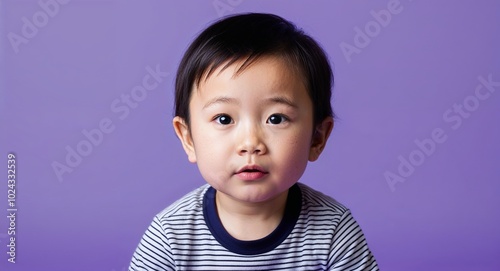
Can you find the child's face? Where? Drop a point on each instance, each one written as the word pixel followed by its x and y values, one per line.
pixel 251 134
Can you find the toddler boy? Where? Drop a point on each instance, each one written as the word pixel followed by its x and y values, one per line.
pixel 252 107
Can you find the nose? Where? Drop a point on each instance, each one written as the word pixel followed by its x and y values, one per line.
pixel 251 141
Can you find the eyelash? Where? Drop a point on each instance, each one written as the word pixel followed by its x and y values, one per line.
pixel 218 119
pixel 284 118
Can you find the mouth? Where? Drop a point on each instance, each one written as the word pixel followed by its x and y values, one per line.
pixel 251 173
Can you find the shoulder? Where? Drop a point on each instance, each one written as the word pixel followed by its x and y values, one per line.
pixel 321 212
pixel 189 204
pixel 314 200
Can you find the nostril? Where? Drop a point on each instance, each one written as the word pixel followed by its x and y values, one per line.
pixel 251 148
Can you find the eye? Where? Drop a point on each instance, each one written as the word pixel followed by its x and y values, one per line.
pixel 223 119
pixel 276 119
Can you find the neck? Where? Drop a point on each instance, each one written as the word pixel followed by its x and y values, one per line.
pixel 249 220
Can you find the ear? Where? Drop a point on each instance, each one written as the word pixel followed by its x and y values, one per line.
pixel 182 130
pixel 320 136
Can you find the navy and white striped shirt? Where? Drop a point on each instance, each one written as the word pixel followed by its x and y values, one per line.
pixel 316 233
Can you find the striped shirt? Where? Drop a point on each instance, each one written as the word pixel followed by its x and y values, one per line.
pixel 316 233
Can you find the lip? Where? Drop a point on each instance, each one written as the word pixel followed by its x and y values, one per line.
pixel 251 173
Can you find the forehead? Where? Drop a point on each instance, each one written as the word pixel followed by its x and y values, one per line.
pixel 266 72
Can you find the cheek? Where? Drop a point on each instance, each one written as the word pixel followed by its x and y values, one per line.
pixel 211 156
pixel 211 170
pixel 295 151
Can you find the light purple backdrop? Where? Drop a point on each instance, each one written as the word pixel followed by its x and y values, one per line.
pixel 414 152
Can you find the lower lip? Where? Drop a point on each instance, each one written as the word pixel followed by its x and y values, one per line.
pixel 251 176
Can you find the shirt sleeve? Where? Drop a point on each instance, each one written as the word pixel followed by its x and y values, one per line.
pixel 153 251
pixel 349 250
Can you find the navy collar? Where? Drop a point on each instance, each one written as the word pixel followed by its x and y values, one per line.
pixel 260 246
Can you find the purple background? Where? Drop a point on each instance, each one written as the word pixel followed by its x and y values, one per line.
pixel 393 91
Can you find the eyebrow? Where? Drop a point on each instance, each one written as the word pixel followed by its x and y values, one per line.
pixel 227 100
pixel 282 100
pixel 220 99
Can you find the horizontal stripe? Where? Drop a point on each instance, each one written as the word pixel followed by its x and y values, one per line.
pixel 325 236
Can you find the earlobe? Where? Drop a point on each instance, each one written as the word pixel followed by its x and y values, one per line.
pixel 319 138
pixel 184 134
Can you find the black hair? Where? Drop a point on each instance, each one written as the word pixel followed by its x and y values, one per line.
pixel 248 37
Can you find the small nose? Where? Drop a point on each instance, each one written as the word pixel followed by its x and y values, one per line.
pixel 251 142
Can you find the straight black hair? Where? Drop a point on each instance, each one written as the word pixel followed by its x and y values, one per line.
pixel 248 37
